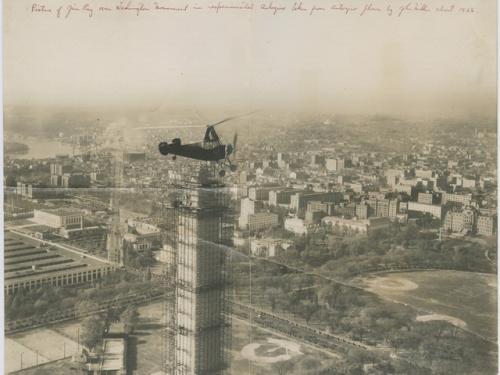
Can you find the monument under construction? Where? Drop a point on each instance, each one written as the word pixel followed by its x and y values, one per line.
pixel 196 276
pixel 114 244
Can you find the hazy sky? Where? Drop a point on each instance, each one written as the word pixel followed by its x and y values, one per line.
pixel 425 64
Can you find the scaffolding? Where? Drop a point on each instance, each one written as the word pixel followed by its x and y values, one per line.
pixel 114 244
pixel 196 275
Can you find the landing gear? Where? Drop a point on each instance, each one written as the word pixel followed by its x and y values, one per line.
pixel 222 173
pixel 174 157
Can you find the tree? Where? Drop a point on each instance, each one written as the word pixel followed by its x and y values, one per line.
pixel 92 330
pixel 306 310
pixel 283 367
pixel 272 294
pixel 330 294
pixel 10 181
pixel 114 314
pixel 130 317
pixel 85 307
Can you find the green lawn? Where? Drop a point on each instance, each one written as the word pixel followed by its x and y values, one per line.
pixel 468 296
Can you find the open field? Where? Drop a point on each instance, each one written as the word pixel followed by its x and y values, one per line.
pixel 458 297
pixel 259 350
pixel 40 345
pixel 262 346
pixel 61 367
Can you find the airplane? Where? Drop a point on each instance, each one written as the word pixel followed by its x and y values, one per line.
pixel 210 149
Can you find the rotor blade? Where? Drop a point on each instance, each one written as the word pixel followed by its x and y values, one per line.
pixel 170 127
pixel 223 121
pixel 231 118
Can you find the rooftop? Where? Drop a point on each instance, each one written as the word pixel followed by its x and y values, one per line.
pixel 63 211
pixel 26 259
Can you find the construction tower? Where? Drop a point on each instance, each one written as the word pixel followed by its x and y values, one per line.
pixel 197 337
pixel 114 245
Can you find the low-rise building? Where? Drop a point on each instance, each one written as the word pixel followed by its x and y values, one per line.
pixel 30 264
pixel 299 201
pixel 433 209
pixel 59 218
pixel 262 220
pixel 486 225
pixel 356 225
pixel 265 247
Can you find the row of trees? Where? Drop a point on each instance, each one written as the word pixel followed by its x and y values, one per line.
pixel 347 256
pixel 47 299
pixel 94 326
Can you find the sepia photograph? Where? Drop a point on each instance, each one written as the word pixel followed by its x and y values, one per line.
pixel 254 187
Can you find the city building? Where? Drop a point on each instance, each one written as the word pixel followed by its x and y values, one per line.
pixel 262 220
pixel 265 247
pixel 334 165
pixel 247 207
pixel 281 197
pixel 144 230
pixel 464 199
pixel 36 190
pixel 362 210
pixel 346 210
pixel 380 207
pixel 326 207
pixel 435 210
pixel 134 156
pixel 260 193
pixel 299 201
pixel 486 225
pixel 76 180
pixel 426 198
pixel 317 160
pixel 454 221
pixel 356 225
pixel 393 208
pixel 29 264
pixel 314 216
pixel 67 218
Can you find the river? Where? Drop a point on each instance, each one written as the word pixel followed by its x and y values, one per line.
pixel 40 148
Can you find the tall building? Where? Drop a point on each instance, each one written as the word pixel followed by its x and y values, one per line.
pixel 362 210
pixel 114 241
pixel 393 208
pixel 198 326
pixel 248 207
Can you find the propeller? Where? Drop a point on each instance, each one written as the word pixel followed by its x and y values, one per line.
pixel 235 140
pixel 230 148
